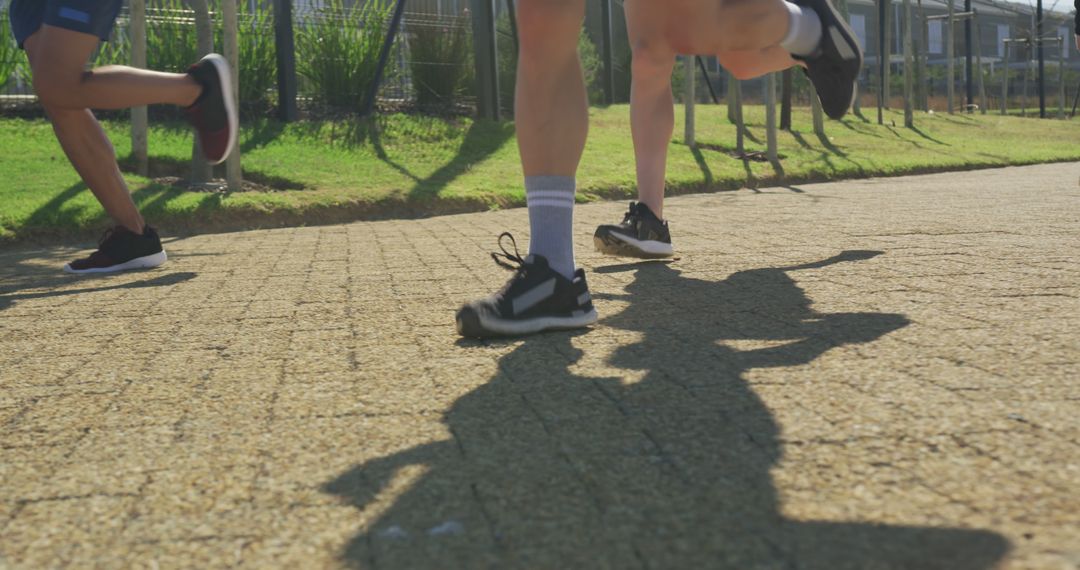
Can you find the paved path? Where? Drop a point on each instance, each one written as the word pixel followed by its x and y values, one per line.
pixel 869 375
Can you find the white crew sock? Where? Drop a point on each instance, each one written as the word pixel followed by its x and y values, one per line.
pixel 804 31
pixel 551 220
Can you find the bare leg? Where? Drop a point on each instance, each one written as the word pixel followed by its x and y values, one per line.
pixel 81 136
pixel 93 156
pixel 552 114
pixel 751 64
pixel 712 26
pixel 64 82
pixel 651 120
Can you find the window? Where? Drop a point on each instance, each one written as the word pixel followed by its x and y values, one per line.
pixel 1002 35
pixel 934 27
pixel 858 23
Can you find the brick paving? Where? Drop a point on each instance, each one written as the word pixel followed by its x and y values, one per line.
pixel 870 374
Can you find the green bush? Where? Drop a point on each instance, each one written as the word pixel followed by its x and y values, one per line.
pixel 338 51
pixel 11 57
pixel 258 57
pixel 440 60
pixel 171 41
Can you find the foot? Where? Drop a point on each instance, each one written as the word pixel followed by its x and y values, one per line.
pixel 834 67
pixel 641 234
pixel 120 249
pixel 535 299
pixel 214 113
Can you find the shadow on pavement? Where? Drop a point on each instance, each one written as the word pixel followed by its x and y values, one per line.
pixel 54 280
pixel 666 466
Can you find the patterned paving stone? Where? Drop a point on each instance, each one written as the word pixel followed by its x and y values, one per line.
pixel 874 374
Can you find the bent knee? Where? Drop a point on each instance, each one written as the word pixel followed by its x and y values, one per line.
pixel 549 28
pixel 652 59
pixel 739 67
pixel 57 89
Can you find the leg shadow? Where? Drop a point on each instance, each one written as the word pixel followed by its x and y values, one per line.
pixel 666 465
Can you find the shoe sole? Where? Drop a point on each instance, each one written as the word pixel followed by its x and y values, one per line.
pixel 144 262
pixel 625 246
pixel 225 77
pixel 472 325
pixel 850 41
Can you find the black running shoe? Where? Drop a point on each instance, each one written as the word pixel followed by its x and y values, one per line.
pixel 121 249
pixel 535 299
pixel 834 67
pixel 641 234
pixel 214 113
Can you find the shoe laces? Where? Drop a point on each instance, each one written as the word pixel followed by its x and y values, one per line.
pixel 513 261
pixel 631 214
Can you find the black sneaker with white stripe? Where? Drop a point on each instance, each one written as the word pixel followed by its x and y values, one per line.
pixel 834 67
pixel 537 298
pixel 640 234
pixel 121 249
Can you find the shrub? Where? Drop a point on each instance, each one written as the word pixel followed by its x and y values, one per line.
pixel 258 58
pixel 11 57
pixel 440 60
pixel 171 41
pixel 338 51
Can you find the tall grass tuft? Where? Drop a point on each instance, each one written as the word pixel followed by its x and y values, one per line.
pixel 258 60
pixel 440 60
pixel 171 42
pixel 338 51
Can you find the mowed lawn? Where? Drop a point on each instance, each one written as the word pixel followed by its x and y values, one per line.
pixel 407 165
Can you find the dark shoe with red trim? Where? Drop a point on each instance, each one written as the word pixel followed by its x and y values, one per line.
pixel 214 113
pixel 121 249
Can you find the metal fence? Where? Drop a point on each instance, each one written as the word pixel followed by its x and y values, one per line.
pixel 433 61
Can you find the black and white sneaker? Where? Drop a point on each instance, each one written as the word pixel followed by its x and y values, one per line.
pixel 641 234
pixel 121 249
pixel 537 298
pixel 834 67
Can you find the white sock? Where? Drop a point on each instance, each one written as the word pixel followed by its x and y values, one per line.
pixel 551 220
pixel 804 31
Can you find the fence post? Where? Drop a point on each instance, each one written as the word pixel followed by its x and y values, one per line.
pixel 978 63
pixel 887 53
pixel 909 80
pixel 1061 77
pixel 708 82
pixel 201 171
pixel 139 116
pixel 732 86
pixel 608 79
pixel 785 99
pixel 881 62
pixel 1005 80
pixel 285 48
pixel 770 121
pixel 689 100
pixel 229 23
pixel 818 116
pixel 486 59
pixel 384 56
pixel 735 105
pixel 950 50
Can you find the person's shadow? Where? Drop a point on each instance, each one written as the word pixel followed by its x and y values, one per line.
pixel 551 466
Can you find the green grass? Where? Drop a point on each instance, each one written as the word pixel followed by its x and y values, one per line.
pixel 413 165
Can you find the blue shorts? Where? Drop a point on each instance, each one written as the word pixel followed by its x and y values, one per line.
pixel 95 17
